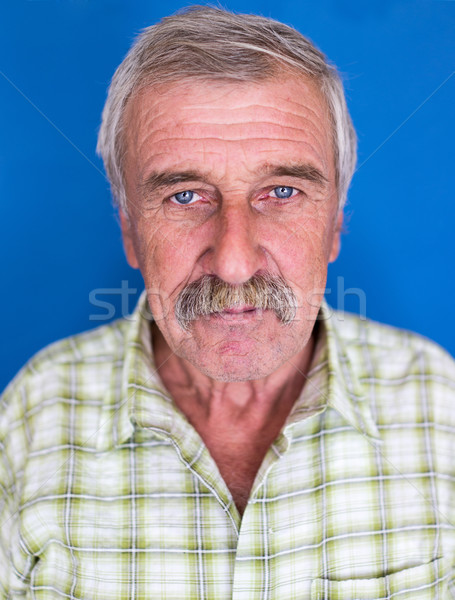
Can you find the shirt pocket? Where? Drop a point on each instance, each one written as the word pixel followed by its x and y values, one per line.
pixel 424 582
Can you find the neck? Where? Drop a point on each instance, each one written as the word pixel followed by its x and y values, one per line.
pixel 253 403
pixel 237 420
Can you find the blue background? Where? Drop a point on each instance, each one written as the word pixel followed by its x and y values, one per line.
pixel 60 236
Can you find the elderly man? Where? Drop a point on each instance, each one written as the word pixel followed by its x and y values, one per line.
pixel 245 442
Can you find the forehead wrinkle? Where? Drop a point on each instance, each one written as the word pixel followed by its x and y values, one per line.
pixel 161 122
pixel 150 100
pixel 301 111
pixel 307 132
pixel 313 168
pixel 165 125
pixel 230 131
pixel 269 143
pixel 162 93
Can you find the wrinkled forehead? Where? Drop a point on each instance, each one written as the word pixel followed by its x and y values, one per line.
pixel 287 113
pixel 168 90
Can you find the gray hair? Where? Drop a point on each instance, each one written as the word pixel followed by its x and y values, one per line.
pixel 209 43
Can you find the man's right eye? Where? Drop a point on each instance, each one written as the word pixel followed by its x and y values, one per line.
pixel 186 197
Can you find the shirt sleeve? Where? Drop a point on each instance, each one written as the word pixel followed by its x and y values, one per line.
pixel 13 451
pixel 6 518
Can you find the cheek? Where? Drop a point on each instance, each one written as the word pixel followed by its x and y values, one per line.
pixel 167 256
pixel 302 261
pixel 302 249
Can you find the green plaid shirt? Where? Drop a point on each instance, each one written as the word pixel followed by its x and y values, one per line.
pixel 107 492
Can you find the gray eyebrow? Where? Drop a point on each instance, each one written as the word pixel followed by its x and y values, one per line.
pixel 157 180
pixel 300 171
pixel 162 179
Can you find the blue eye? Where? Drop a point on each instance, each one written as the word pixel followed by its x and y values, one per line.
pixel 283 191
pixel 184 197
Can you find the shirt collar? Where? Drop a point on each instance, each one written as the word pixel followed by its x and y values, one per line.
pixel 144 402
pixel 346 394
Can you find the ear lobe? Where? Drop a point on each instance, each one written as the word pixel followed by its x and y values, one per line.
pixel 336 242
pixel 127 237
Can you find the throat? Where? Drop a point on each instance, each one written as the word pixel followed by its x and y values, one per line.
pixel 239 454
pixel 238 469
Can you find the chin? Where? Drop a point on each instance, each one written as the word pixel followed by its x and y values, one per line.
pixel 241 353
pixel 236 368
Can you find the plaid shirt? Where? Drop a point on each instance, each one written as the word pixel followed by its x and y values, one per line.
pixel 107 492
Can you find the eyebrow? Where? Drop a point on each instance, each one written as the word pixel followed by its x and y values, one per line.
pixel 157 180
pixel 299 171
pixel 161 179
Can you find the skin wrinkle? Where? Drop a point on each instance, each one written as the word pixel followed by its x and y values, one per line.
pixel 280 117
pixel 241 128
pixel 233 232
pixel 211 118
pixel 251 140
pixel 157 181
pixel 295 108
pixel 154 201
pixel 192 183
pixel 294 282
pixel 313 177
pixel 154 116
pixel 338 217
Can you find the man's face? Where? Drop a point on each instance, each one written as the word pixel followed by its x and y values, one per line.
pixel 231 180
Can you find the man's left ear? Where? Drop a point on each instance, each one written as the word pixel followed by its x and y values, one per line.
pixel 336 242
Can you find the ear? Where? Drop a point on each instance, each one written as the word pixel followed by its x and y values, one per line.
pixel 128 244
pixel 336 242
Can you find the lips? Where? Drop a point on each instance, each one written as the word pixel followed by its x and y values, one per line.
pixel 238 314
pixel 235 310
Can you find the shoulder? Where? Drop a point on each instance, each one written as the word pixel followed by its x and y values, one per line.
pixel 102 344
pixel 105 341
pixel 75 367
pixel 389 345
pixel 400 368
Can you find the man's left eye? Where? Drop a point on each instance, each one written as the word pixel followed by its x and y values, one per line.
pixel 283 192
pixel 186 197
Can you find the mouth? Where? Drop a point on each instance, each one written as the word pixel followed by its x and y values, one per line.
pixel 237 313
pixel 235 310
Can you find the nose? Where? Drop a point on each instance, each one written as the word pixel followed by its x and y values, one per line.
pixel 236 255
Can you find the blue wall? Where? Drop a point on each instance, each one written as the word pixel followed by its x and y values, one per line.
pixel 60 237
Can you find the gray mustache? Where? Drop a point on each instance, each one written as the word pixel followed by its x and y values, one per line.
pixel 209 294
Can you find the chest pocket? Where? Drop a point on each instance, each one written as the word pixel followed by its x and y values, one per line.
pixel 424 582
